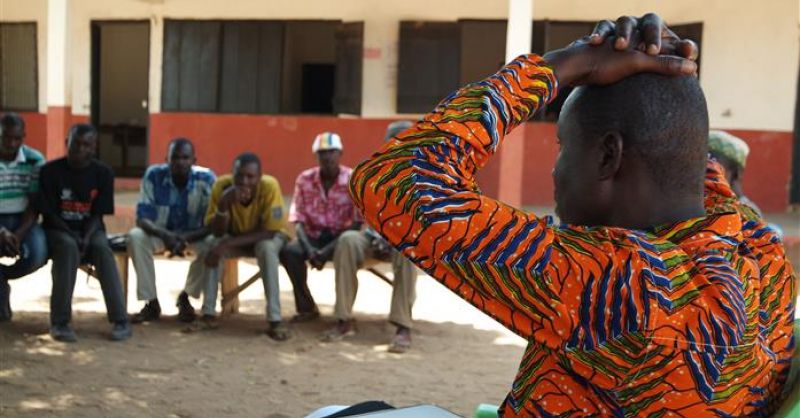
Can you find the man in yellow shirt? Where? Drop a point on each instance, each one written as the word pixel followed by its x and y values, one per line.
pixel 246 217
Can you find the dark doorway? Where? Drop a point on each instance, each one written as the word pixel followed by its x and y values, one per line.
pixel 318 82
pixel 120 81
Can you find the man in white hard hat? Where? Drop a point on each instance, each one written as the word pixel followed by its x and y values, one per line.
pixel 321 211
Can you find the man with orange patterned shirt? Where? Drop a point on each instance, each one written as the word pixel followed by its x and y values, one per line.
pixel 656 295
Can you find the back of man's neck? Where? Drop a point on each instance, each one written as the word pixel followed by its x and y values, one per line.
pixel 649 213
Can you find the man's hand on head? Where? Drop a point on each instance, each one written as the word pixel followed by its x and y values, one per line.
pixel 648 34
pixel 603 59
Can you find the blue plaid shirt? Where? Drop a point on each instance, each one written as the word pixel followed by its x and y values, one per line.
pixel 172 208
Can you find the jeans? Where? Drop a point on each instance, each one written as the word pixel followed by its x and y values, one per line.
pixel 33 249
pixel 66 260
pixel 33 255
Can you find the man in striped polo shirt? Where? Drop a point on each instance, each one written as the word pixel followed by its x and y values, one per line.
pixel 23 247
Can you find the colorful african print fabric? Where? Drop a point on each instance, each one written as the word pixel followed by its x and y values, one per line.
pixel 691 319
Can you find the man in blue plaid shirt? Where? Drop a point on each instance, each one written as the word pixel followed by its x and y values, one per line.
pixel 169 219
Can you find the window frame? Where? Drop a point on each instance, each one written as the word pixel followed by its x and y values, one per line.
pixel 35 106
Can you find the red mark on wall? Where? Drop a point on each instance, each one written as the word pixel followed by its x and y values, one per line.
pixel 372 53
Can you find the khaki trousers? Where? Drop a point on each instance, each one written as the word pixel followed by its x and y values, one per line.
pixel 352 249
pixel 142 247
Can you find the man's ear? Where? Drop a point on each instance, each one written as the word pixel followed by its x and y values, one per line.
pixel 610 155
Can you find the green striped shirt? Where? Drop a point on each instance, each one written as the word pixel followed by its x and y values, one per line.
pixel 18 179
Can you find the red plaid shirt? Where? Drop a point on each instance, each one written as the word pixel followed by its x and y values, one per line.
pixel 316 209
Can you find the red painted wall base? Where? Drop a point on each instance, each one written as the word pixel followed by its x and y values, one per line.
pixel 284 144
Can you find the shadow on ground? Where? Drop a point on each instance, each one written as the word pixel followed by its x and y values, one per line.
pixel 237 371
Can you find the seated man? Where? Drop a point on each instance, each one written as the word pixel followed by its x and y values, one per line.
pixel 321 210
pixel 731 152
pixel 652 297
pixel 75 192
pixel 246 216
pixel 21 237
pixel 351 250
pixel 169 218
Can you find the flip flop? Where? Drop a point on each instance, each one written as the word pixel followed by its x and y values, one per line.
pixel 341 330
pixel 205 323
pixel 400 343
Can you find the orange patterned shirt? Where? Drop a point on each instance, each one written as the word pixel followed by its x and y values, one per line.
pixel 691 319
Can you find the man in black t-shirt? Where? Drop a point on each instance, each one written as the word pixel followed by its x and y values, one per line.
pixel 75 192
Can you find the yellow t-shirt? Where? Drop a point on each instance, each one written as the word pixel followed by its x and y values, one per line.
pixel 264 211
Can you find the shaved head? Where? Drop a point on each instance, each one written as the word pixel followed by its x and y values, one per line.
pixel 641 140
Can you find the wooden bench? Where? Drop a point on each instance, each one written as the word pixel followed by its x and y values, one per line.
pixel 121 258
pixel 229 280
pixel 231 287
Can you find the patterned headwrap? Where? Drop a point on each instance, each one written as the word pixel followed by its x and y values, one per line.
pixel 395 128
pixel 729 146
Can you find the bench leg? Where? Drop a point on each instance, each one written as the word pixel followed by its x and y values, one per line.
pixel 230 281
pixel 122 267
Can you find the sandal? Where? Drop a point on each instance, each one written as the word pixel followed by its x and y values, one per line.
pixel 343 329
pixel 401 341
pixel 205 323
pixel 278 331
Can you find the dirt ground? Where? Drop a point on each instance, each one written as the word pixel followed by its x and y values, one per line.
pixel 459 357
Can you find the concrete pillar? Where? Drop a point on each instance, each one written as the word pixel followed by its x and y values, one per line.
pixel 512 153
pixel 59 112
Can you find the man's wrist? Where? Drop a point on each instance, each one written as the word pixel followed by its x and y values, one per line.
pixel 566 70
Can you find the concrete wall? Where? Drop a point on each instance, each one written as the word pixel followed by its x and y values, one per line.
pixel 749 68
pixel 738 38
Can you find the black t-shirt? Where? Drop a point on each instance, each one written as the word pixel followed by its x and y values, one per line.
pixel 75 195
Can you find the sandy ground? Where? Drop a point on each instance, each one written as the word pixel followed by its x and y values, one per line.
pixel 459 357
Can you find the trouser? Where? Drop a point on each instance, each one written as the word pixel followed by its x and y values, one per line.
pixel 66 258
pixel 293 258
pixel 351 250
pixel 267 254
pixel 141 248
pixel 32 255
pixel 33 249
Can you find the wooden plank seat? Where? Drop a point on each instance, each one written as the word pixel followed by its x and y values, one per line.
pixel 231 287
pixel 121 258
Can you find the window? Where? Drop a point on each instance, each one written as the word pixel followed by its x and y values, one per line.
pixel 18 72
pixel 438 57
pixel 262 66
pixel 547 36
pixel 428 64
